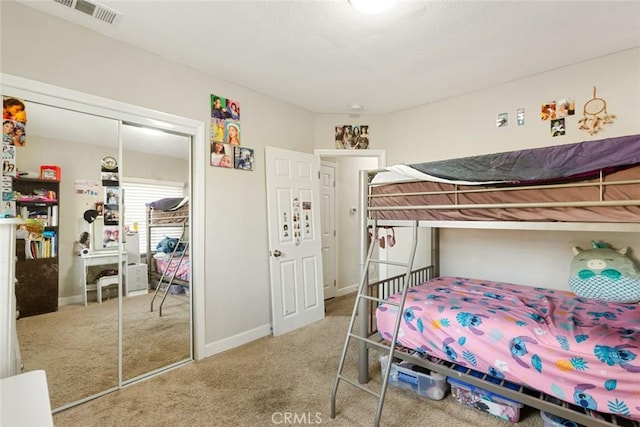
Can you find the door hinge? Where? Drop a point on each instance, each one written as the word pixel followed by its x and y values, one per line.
pixel 334 233
pixel 318 174
pixel 334 283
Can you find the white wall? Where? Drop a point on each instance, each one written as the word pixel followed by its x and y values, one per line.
pixel 466 125
pixel 43 48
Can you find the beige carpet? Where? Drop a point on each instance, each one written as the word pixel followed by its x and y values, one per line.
pixel 77 345
pixel 259 383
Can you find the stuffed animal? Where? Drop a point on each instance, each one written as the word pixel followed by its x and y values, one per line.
pixel 605 274
pixel 168 245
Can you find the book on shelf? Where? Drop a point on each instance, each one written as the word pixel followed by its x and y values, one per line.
pixel 53 216
pixel 41 246
pixel 47 215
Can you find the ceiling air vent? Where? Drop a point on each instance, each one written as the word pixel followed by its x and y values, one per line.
pixel 96 10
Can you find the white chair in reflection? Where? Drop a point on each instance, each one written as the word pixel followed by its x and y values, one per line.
pixel 103 282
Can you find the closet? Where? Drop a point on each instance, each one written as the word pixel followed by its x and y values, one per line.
pixel 89 350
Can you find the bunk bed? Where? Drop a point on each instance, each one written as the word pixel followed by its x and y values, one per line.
pixel 588 186
pixel 168 248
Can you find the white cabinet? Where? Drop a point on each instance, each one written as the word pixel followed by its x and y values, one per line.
pixel 9 350
pixel 132 246
pixel 25 400
pixel 136 279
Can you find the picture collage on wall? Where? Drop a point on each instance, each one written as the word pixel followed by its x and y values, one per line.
pixel 111 184
pixel 14 123
pixel 555 112
pixel 226 147
pixel 352 137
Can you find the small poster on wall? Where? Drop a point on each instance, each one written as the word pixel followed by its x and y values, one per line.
pixel 111 214
pixel 502 120
pixel 14 121
pixel 111 195
pixel 352 137
pixel 111 236
pixel 557 127
pixel 244 158
pixel 86 187
pixel 221 155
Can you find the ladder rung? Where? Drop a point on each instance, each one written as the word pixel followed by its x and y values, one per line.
pixel 360 386
pixel 370 298
pixel 382 261
pixel 369 341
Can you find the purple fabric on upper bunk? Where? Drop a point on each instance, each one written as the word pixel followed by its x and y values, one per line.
pixel 166 204
pixel 540 164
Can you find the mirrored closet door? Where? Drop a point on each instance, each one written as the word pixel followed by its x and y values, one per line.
pixel 75 338
pixel 106 329
pixel 156 311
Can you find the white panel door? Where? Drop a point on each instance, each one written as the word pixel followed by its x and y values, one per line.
pixel 328 228
pixel 295 258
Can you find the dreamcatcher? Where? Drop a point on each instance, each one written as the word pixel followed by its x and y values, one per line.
pixel 595 115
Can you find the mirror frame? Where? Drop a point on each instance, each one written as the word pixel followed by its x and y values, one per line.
pixel 59 97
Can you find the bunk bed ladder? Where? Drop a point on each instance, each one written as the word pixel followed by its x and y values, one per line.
pixel 166 279
pixel 364 297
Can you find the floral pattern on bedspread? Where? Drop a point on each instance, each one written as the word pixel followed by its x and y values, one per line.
pixel 183 267
pixel 582 351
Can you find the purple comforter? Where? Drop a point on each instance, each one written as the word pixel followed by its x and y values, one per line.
pixel 568 161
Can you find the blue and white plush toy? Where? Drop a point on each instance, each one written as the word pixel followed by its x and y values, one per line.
pixel 168 245
pixel 604 274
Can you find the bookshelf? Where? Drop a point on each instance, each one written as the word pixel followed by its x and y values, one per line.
pixel 37 246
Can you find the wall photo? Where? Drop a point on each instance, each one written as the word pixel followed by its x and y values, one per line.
pixel 244 158
pixel 352 137
pixel 14 121
pixel 111 236
pixel 222 155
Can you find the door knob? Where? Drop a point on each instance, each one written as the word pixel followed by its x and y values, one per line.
pixel 277 253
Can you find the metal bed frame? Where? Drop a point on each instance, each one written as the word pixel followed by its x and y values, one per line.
pixel 166 280
pixel 371 294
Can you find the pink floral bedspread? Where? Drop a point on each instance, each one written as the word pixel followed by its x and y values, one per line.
pixel 183 267
pixel 579 350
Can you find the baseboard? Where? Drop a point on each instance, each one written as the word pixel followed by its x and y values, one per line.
pixel 348 290
pixel 236 340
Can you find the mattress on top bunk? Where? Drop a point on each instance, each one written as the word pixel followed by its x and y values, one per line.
pixel 396 195
pixel 582 351
pixel 169 210
pixel 544 164
pixel 164 266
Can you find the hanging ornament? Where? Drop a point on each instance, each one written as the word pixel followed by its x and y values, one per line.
pixel 595 115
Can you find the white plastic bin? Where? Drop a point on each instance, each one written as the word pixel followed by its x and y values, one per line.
pixel 412 377
pixel 485 401
pixel 551 420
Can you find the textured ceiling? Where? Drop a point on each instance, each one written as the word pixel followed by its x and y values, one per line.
pixel 324 56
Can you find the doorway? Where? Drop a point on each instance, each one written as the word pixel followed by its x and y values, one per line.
pixel 348 215
pixel 328 171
